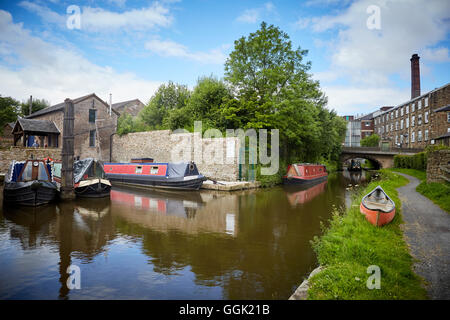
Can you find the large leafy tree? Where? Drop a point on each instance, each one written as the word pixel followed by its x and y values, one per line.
pixel 168 97
pixel 273 89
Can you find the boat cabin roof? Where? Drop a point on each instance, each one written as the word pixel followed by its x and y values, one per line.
pixel 29 170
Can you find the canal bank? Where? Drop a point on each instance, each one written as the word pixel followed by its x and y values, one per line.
pixel 351 246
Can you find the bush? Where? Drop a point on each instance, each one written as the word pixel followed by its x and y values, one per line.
pixel 370 141
pixel 417 161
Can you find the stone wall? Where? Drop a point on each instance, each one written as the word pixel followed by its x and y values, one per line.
pixel 438 166
pixel 217 158
pixel 20 154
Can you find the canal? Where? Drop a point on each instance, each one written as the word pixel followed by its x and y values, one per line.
pixel 138 244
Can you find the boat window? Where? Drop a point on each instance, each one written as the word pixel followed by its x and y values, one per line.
pixel 57 170
pixel 42 175
pixel 139 169
pixel 154 170
pixel 27 171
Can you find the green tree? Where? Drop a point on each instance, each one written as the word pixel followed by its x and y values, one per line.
pixel 370 141
pixel 167 97
pixel 36 105
pixel 9 111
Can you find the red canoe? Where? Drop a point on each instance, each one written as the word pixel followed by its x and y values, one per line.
pixel 378 208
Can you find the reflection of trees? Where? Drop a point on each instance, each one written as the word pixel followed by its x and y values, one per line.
pixel 267 258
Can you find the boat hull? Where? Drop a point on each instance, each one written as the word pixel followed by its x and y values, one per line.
pixel 96 188
pixel 30 193
pixel 376 217
pixel 304 182
pixel 186 183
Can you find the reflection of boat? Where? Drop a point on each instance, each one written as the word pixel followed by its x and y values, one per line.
pixel 378 208
pixel 305 195
pixel 29 183
pixel 164 203
pixel 181 175
pixel 89 178
pixel 354 165
pixel 305 173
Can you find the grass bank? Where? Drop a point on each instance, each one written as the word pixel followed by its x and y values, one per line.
pixel 351 244
pixel 439 193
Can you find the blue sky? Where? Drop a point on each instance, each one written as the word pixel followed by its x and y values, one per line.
pixel 128 48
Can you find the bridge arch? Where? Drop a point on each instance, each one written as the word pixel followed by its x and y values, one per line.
pixel 378 164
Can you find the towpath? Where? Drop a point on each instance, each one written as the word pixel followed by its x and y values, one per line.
pixel 427 232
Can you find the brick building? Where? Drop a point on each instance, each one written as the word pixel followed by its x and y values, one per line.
pixel 94 124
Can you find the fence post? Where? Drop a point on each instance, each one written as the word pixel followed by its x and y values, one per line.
pixel 67 189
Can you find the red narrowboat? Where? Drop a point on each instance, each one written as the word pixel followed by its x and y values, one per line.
pixel 181 175
pixel 305 173
pixel 378 208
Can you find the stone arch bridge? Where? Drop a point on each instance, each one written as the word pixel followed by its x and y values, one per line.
pixel 381 157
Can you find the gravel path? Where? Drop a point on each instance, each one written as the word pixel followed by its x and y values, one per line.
pixel 427 232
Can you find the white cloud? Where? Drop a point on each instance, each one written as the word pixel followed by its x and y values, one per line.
pixel 168 48
pixel 45 70
pixel 366 58
pixel 255 15
pixel 98 19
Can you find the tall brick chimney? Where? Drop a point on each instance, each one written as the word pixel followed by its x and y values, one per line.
pixel 415 76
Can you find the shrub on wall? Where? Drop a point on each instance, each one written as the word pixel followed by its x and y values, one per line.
pixel 417 161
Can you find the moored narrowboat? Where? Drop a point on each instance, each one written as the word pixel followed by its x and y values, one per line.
pixel 354 165
pixel 29 183
pixel 305 173
pixel 181 175
pixel 378 208
pixel 89 178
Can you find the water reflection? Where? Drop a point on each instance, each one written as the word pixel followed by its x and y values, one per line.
pixel 167 245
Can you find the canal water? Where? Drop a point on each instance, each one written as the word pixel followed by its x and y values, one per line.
pixel 139 244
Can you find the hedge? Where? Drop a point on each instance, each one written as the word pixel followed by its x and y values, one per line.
pixel 417 161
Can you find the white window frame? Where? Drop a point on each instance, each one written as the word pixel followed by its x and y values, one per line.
pixel 407 109
pixel 401 124
pixel 413 107
pixel 419 136
pixel 426 135
pixel 407 122
pixel 426 102
pixel 419 104
pixel 413 136
pixel 426 117
pixel 413 121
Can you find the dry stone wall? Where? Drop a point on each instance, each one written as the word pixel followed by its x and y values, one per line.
pixel 438 166
pixel 217 158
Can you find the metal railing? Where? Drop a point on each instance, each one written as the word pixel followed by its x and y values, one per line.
pixel 382 149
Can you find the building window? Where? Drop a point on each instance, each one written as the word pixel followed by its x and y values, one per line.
pixel 396 113
pixel 419 119
pixel 396 139
pixel 448 116
pixel 413 137
pixel 406 138
pixel 392 127
pixel 401 111
pixel 419 104
pixel 426 117
pixel 401 124
pixel 419 135
pixel 407 122
pixel 387 128
pixel 407 109
pixel 426 102
pixel 92 138
pixel 426 134
pixel 396 125
pixel 413 121
pixel 392 115
pixel 92 114
pixel 413 105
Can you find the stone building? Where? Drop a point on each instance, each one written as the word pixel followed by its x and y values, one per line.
pixel 131 107
pixel 95 123
pixel 419 121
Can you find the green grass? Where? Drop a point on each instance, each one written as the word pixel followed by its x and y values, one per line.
pixel 351 244
pixel 439 193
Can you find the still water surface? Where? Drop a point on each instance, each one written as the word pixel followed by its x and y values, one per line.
pixel 178 245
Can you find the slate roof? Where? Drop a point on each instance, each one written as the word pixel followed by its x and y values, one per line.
pixel 60 106
pixel 119 105
pixel 443 136
pixel 45 126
